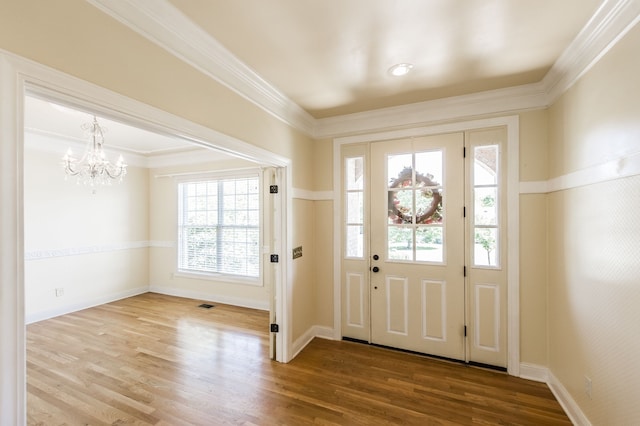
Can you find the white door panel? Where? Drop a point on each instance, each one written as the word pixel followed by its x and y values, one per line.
pixel 486 236
pixel 417 224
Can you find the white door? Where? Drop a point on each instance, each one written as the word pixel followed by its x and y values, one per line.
pixel 415 273
pixel 417 244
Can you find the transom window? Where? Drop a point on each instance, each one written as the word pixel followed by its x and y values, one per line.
pixel 219 226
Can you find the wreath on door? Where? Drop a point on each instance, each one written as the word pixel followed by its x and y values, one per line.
pixel 400 214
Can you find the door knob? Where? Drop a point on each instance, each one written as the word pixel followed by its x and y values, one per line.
pixel 376 257
pixel 375 269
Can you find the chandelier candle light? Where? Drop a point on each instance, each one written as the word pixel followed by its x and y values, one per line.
pixel 94 169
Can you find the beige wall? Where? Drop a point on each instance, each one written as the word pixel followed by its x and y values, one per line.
pixel 93 246
pixel 533 239
pixel 323 232
pixel 594 240
pixel 304 283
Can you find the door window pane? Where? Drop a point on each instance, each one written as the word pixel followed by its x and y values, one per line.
pixel 486 206
pixel 428 206
pixel 429 164
pixel 414 200
pixel 401 206
pixel 429 246
pixel 355 207
pixel 485 246
pixel 399 168
pixel 355 173
pixel 355 241
pixel 400 243
pixel 485 170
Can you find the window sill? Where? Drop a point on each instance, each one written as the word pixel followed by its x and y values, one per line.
pixel 231 279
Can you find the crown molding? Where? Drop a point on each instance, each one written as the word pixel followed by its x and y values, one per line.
pixel 57 144
pixel 163 24
pixel 54 143
pixel 509 100
pixel 612 20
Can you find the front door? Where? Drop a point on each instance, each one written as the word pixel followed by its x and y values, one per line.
pixel 417 274
pixel 417 244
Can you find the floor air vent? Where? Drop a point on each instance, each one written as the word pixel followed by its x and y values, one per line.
pixel 206 306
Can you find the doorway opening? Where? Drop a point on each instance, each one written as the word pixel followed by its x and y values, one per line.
pixel 126 231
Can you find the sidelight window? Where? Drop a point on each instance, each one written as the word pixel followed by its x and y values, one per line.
pixel 354 192
pixel 486 208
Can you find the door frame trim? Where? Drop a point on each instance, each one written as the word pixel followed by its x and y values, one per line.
pixel 512 123
pixel 18 76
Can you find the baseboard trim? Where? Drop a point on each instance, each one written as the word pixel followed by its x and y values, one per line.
pixel 67 309
pixel 542 374
pixel 324 332
pixel 208 297
pixel 567 403
pixel 313 332
pixel 534 372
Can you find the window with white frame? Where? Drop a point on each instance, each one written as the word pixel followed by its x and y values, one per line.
pixel 219 226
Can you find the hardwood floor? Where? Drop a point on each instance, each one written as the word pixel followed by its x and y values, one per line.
pixel 161 360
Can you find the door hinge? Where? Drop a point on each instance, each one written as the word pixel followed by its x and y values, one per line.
pixel 465 331
pixel 464 271
pixel 464 152
pixel 273 189
pixel 274 328
pixel 464 211
pixel 274 258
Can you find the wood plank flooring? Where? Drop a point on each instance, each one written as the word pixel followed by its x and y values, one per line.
pixel 161 360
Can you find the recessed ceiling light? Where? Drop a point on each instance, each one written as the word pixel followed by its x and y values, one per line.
pixel 400 69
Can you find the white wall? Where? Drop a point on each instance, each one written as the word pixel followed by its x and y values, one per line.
pixel 93 246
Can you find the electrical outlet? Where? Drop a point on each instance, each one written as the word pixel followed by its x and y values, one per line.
pixel 587 386
pixel 59 292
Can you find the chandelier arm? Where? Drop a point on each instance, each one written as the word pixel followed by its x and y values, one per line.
pixel 69 170
pixel 120 172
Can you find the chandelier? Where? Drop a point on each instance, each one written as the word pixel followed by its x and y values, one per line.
pixel 94 168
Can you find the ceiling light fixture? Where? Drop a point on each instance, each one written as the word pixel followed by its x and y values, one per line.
pixel 400 69
pixel 94 169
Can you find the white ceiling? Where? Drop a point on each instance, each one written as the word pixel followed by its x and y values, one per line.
pixel 330 57
pixel 55 127
pixel 48 118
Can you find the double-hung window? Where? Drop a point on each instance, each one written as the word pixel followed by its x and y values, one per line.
pixel 219 226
